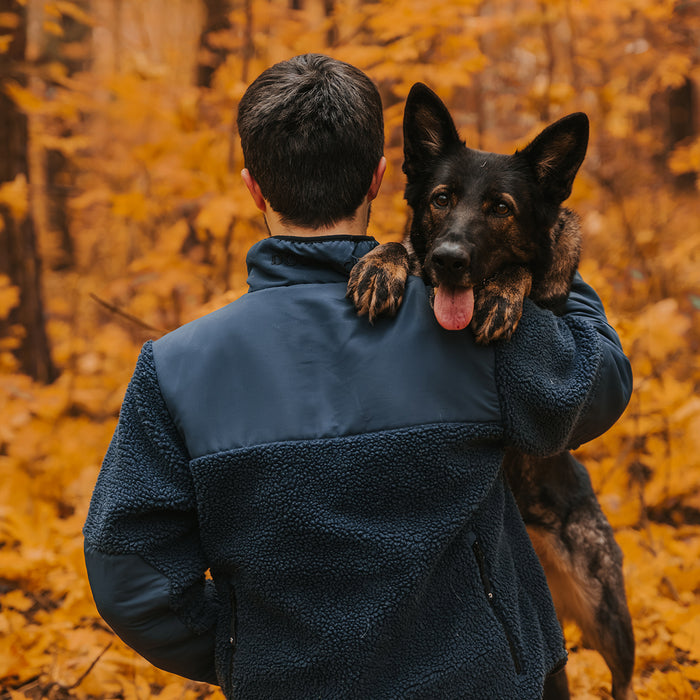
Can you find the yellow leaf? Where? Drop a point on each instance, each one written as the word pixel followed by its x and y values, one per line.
pixel 51 27
pixel 692 673
pixel 9 296
pixel 688 635
pixel 70 9
pixel 15 194
pixel 671 685
pixel 5 41
pixel 9 20
pixel 130 205
pixel 685 158
pixel 17 600
pixel 216 216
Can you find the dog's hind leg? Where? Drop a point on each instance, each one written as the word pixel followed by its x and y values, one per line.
pixel 585 578
pixel 577 549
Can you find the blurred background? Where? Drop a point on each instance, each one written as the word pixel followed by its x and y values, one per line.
pixel 122 216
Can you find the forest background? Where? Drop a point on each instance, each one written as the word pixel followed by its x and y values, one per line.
pixel 122 215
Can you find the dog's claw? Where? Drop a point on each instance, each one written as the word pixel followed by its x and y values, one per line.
pixel 377 281
pixel 498 306
pixel 495 318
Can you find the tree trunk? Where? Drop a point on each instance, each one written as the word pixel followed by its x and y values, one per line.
pixel 19 257
pixel 212 56
pixel 72 49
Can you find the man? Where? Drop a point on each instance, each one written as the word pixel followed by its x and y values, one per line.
pixel 341 482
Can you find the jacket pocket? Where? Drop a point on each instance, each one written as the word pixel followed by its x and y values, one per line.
pixel 493 603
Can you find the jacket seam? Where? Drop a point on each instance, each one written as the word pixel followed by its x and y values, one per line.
pixel 163 398
pixel 497 436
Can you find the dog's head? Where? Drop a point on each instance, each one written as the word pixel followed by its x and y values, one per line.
pixel 476 213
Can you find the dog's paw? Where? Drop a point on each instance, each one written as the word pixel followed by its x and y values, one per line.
pixel 495 318
pixel 377 281
pixel 498 306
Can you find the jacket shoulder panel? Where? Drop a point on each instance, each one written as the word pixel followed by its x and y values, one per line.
pixel 297 363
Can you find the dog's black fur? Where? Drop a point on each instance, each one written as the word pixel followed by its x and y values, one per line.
pixel 494 223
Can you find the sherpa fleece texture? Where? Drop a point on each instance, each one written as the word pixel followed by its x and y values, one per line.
pixel 342 484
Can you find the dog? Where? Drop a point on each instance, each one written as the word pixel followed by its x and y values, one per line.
pixel 486 231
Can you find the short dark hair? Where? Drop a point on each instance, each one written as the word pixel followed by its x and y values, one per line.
pixel 312 132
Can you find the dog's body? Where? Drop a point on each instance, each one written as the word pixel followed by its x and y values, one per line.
pixel 487 230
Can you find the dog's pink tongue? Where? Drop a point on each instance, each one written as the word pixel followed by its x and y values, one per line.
pixel 453 307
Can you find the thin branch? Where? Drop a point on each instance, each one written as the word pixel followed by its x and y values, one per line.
pixel 125 314
pixel 89 668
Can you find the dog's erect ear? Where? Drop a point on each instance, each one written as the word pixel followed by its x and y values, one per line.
pixel 428 129
pixel 557 153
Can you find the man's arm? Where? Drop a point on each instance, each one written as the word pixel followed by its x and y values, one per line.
pixel 613 389
pixel 562 380
pixel 142 549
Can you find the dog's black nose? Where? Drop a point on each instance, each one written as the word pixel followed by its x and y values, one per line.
pixel 450 259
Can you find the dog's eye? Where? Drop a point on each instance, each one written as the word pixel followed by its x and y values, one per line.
pixel 501 209
pixel 441 200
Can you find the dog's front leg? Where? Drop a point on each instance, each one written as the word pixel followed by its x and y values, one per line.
pixel 498 304
pixel 378 279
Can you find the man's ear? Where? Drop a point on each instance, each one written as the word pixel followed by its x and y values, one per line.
pixel 254 190
pixel 557 153
pixel 376 179
pixel 428 129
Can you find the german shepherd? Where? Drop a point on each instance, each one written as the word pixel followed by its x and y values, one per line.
pixel 486 231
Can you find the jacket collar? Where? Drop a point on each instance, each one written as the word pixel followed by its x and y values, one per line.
pixel 280 261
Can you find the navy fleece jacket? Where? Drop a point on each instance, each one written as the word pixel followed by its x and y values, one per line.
pixel 342 484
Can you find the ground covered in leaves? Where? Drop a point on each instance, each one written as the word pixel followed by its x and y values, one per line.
pixel 146 225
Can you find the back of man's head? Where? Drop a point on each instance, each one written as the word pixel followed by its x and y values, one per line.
pixel 312 133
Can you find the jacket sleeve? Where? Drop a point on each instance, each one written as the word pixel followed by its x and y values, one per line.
pixel 144 560
pixel 565 380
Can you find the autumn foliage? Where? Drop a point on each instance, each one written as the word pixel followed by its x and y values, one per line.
pixel 156 224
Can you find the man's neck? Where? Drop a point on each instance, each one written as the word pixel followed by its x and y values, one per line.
pixel 356 226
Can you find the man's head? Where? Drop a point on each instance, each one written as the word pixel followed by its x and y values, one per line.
pixel 312 133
